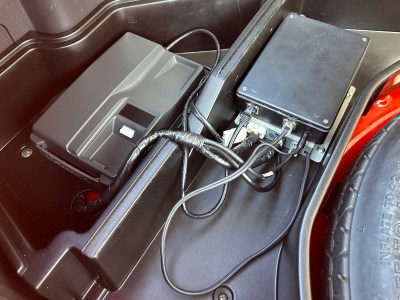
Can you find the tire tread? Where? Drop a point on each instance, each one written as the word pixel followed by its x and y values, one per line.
pixel 337 250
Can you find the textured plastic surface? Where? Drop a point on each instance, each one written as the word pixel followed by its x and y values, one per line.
pixel 136 85
pixel 305 71
pixel 199 252
pixel 57 60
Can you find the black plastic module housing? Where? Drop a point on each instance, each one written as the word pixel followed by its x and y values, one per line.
pixel 304 74
pixel 134 88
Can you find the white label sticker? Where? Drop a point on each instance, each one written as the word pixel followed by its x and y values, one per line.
pixel 126 131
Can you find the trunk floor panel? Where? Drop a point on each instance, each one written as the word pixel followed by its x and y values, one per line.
pixel 199 252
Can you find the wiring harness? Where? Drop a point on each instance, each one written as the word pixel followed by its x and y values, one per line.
pixel 229 157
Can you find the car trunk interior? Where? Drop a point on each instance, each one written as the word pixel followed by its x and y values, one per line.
pixel 48 44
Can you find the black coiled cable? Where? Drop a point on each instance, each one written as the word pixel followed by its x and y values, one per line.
pixel 239 172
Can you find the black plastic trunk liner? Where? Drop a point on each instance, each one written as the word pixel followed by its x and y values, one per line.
pixel 199 252
pixel 42 189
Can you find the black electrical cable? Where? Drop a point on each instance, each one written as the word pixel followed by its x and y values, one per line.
pixel 190 33
pixel 300 145
pixel 185 111
pixel 202 82
pixel 236 164
pixel 276 175
pixel 264 189
pixel 245 119
pixel 185 158
pixel 205 122
pixel 212 210
pixel 235 134
pixel 270 186
pixel 226 186
pixel 248 143
pixel 224 189
pixel 281 164
pixel 276 149
pixel 189 139
pixel 302 142
pixel 228 152
pixel 239 160
pixel 253 157
pixel 263 159
pixel 192 140
pixel 214 157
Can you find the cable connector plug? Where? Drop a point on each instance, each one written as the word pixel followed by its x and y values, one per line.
pixel 302 142
pixel 303 139
pixel 246 116
pixel 288 125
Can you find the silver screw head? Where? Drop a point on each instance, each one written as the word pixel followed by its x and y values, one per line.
pixel 320 149
pixel 222 296
pixel 26 152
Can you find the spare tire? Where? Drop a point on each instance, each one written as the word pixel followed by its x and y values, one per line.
pixel 363 252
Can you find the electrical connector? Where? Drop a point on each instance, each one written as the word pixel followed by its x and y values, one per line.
pixel 301 143
pixel 289 125
pixel 246 116
pixel 228 134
